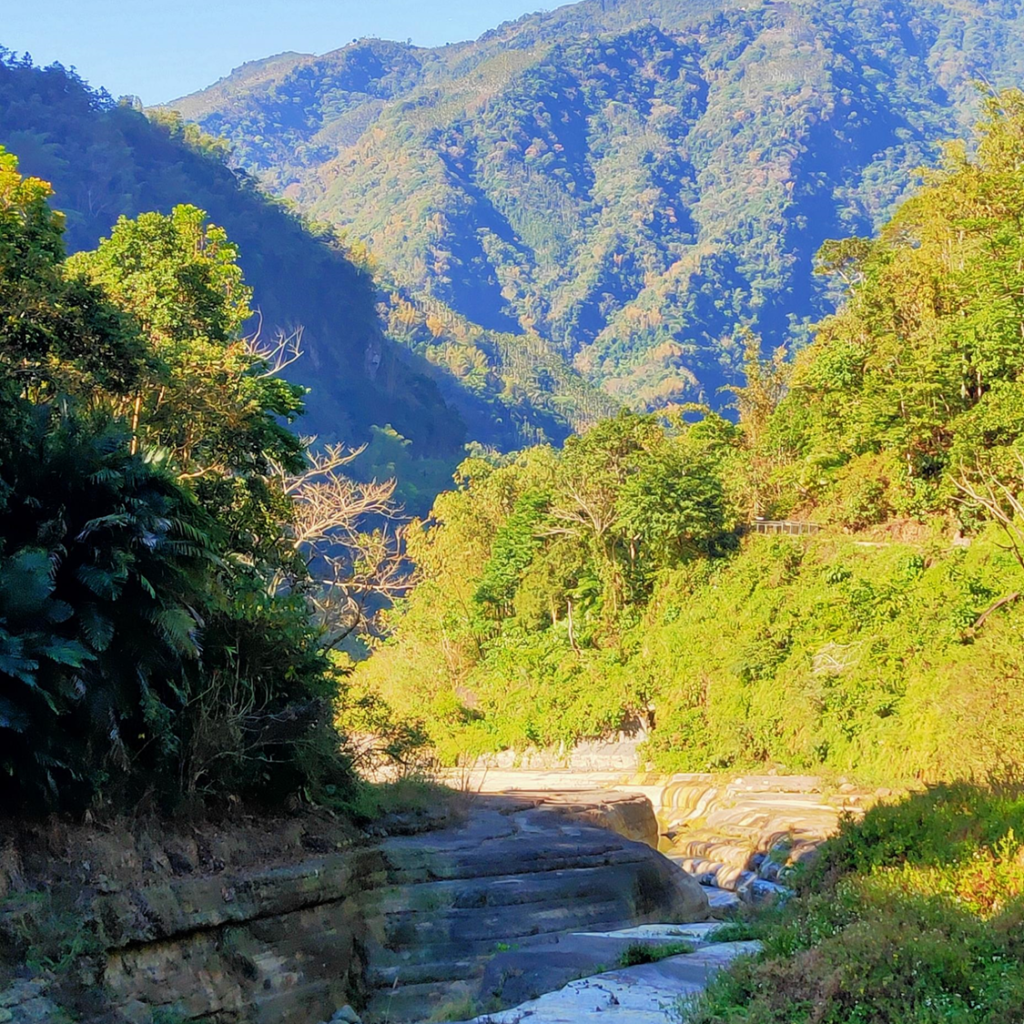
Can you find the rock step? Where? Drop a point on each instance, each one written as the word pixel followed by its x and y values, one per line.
pixel 740 820
pixel 470 935
pixel 438 865
pixel 710 850
pixel 454 907
pixel 720 876
pixel 589 881
pixel 646 994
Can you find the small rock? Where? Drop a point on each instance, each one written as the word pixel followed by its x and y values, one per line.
pixel 759 892
pixel 346 1015
pixel 180 863
pixel 722 900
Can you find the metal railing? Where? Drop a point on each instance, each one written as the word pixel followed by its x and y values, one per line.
pixel 788 527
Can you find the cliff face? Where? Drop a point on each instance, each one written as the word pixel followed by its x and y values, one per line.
pixel 288 921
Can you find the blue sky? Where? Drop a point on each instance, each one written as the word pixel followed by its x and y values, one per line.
pixel 159 50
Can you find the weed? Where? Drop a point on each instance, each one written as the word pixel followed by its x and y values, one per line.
pixel 460 1008
pixel 651 952
pixel 49 931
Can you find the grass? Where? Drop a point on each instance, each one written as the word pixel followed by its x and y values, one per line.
pixel 463 1007
pixel 415 795
pixel 651 952
pixel 47 931
pixel 913 916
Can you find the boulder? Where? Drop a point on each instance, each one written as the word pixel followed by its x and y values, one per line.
pixel 519 874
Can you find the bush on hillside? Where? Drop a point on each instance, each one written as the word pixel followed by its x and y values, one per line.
pixel 911 916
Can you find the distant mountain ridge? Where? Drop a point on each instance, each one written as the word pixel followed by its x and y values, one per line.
pixel 622 182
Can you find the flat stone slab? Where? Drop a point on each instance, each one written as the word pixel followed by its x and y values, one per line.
pixel 646 994
pixel 700 931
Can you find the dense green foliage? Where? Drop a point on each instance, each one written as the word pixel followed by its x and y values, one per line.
pixel 363 336
pixel 107 160
pixel 145 650
pixel 567 594
pixel 911 916
pixel 619 183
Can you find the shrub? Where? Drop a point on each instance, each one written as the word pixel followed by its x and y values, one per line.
pixel 911 916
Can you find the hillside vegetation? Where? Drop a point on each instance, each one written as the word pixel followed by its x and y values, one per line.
pixel 622 183
pixel 166 615
pixel 911 916
pixel 567 593
pixel 107 160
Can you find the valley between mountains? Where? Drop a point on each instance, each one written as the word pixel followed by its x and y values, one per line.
pixel 522 529
pixel 617 185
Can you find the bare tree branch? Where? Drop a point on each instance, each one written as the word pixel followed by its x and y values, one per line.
pixel 358 571
pixel 1000 502
pixel 284 350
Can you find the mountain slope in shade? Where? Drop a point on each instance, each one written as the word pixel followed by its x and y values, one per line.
pixel 106 160
pixel 624 181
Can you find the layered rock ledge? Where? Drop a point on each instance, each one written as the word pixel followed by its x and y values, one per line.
pixel 231 926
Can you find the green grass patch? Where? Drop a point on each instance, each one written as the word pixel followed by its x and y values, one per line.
pixel 410 796
pixel 651 952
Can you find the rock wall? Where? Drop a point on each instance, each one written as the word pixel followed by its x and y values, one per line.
pixel 279 946
pixel 286 922
pixel 520 873
pixel 730 832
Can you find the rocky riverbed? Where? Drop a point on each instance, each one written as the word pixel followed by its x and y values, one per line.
pixel 520 903
pixel 650 993
pixel 738 836
pixel 289 925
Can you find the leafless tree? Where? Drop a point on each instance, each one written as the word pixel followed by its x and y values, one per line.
pixel 279 354
pixel 358 571
pixel 1002 503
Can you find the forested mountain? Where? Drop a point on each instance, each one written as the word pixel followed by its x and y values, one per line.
pixel 622 181
pixel 107 160
pixel 566 593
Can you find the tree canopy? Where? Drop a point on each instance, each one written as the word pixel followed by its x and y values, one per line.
pixel 146 647
pixel 609 585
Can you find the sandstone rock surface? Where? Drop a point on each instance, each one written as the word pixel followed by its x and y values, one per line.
pixel 646 994
pixel 201 927
pixel 517 874
pixel 728 832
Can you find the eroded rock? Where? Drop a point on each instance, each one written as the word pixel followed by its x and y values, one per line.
pixel 201 927
pixel 520 874
pixel 646 994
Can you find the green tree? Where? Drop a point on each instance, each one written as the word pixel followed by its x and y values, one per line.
pixel 105 569
pixel 139 654
pixel 57 333
pixel 210 401
pixel 922 361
